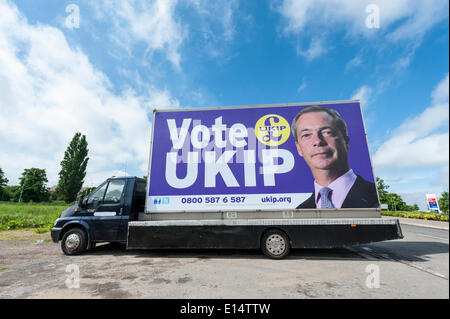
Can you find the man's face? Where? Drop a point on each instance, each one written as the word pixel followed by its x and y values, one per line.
pixel 320 143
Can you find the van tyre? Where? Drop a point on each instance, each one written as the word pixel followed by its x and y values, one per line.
pixel 275 244
pixel 74 242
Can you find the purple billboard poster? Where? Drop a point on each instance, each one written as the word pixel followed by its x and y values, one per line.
pixel 276 157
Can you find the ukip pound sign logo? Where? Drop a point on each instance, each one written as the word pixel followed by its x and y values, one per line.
pixel 272 130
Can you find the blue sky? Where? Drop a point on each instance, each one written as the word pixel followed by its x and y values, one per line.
pixel 102 75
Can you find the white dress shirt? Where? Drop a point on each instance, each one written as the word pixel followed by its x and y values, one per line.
pixel 340 186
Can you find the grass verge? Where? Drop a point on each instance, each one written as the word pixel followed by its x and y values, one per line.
pixel 417 215
pixel 40 216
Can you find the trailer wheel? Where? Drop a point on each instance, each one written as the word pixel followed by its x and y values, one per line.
pixel 275 244
pixel 74 242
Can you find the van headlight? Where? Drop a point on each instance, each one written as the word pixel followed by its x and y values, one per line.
pixel 56 221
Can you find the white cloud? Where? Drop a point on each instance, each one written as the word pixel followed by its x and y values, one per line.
pixel 443 178
pixel 158 25
pixel 405 151
pixel 302 86
pixel 399 20
pixel 402 22
pixel 416 142
pixel 316 48
pixel 220 12
pixel 216 22
pixel 149 22
pixel 418 198
pixel 355 62
pixel 50 91
pixel 364 94
pixel 440 93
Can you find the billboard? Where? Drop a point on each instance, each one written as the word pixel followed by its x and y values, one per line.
pixel 433 203
pixel 279 157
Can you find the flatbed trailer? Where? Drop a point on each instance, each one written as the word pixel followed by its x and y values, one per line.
pixel 249 234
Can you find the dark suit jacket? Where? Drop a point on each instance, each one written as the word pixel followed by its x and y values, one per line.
pixel 363 194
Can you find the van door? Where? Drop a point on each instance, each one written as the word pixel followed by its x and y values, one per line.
pixel 104 207
pixel 137 206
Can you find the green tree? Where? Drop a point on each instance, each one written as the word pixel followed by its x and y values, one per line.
pixel 3 182
pixel 411 208
pixel 395 202
pixel 87 191
pixel 382 190
pixel 11 192
pixel 443 202
pixel 33 186
pixel 73 168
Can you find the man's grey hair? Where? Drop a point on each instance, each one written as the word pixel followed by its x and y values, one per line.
pixel 337 118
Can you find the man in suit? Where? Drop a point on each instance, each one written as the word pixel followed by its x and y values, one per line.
pixel 322 140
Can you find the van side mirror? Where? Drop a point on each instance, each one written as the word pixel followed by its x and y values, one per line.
pixel 81 201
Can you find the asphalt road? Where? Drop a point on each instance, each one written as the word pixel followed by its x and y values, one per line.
pixel 420 261
pixel 414 267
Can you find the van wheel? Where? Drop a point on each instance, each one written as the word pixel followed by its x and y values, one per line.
pixel 275 244
pixel 74 242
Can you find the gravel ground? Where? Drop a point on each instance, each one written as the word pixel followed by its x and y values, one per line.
pixel 33 267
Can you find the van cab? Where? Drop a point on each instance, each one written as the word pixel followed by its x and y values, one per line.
pixel 102 216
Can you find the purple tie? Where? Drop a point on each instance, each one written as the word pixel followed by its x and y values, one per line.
pixel 325 197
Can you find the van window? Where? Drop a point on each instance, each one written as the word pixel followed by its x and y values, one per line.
pixel 114 192
pixel 96 197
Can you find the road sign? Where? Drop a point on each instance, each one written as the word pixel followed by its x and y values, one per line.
pixel 433 204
